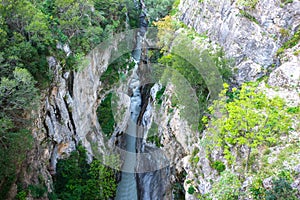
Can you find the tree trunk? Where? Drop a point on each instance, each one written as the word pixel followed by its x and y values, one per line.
pixel 248 157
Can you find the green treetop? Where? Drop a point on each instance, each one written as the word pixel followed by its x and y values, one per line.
pixel 247 118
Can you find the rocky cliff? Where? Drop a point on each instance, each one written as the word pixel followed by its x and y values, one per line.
pixel 252 36
pixel 67 117
pixel 249 34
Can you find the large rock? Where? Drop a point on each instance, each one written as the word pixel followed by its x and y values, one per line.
pixel 285 80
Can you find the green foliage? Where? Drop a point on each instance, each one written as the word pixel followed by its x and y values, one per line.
pixel 105 116
pixel 101 184
pixel 17 97
pixel 191 190
pixel 159 95
pixel 114 71
pixel 18 93
pixel 290 43
pixel 284 32
pixel 37 191
pixel 187 70
pixel 21 195
pixel 158 9
pixel 227 187
pixel 247 3
pixel 287 1
pixel 183 74
pixel 249 119
pixel 174 9
pixel 194 160
pixel 218 165
pixel 256 189
pixel 195 151
pixel 281 190
pixel 191 70
pixel 153 136
pixel 178 191
pixel 248 16
pixel 30 32
pixel 293 110
pixel 13 148
pixel 77 180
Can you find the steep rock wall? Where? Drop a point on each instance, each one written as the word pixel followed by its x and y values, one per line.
pixel 66 117
pixel 249 35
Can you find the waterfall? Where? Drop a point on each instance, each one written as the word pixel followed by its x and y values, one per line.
pixel 127 187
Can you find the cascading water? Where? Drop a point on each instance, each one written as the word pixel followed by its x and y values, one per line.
pixel 127 187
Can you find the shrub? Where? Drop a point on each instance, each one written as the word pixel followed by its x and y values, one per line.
pixel 158 9
pixel 248 16
pixel 257 190
pixel 219 166
pixel 37 191
pixel 159 95
pixel 191 190
pixel 227 187
pixel 281 190
pixel 248 119
pixel 195 160
pixel 105 116
pixel 290 43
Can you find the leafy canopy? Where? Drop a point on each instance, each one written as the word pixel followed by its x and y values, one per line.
pixel 247 117
pixel 78 180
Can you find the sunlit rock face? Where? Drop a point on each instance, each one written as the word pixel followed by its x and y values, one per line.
pixel 71 106
pixel 249 35
pixel 67 116
pixel 284 81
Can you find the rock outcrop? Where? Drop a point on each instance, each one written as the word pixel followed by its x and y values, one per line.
pixel 67 117
pixel 252 37
pixel 249 35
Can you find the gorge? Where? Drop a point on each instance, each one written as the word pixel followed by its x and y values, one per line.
pixel 148 99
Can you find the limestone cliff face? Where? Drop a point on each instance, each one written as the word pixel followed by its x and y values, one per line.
pixel 71 107
pixel 67 116
pixel 162 160
pixel 253 45
pixel 283 82
pixel 249 35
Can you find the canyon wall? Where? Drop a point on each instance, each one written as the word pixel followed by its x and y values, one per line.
pixel 249 35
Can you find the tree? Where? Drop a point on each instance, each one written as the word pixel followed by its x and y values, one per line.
pixel 157 9
pixel 78 180
pixel 17 94
pixel 247 118
pixel 17 97
pixel 101 184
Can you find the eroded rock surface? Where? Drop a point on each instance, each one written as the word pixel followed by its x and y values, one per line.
pixel 249 35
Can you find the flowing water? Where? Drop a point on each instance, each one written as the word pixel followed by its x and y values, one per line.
pixel 127 187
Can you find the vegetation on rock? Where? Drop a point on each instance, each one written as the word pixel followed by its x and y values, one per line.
pixel 248 118
pixel 105 116
pixel 31 31
pixel 76 179
pixel 178 65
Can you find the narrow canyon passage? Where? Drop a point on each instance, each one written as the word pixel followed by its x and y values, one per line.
pixel 127 188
